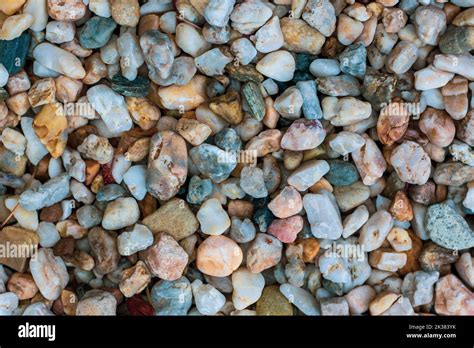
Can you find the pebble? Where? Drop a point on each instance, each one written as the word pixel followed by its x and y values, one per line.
pixel 301 299
pixel 213 218
pixel 252 182
pixel 175 218
pixel 49 273
pixel 264 252
pixel 359 299
pixel 213 162
pixel 278 65
pixel 97 302
pixel 48 234
pixel 351 196
pixel 341 173
pixel 300 37
pixel 375 230
pixel 45 195
pixel 8 303
pixel 138 239
pixel 303 135
pixel 273 302
pixel 165 259
pixel 111 107
pixel 369 162
pixel 120 213
pixel 418 287
pixel 287 203
pixel 321 16
pixel 411 163
pixel 465 269
pixel 218 256
pixel 452 297
pixel 167 165
pixel 447 228
pixel 207 298
pixel 323 215
pixel 247 288
pixel 172 297
pixel 286 230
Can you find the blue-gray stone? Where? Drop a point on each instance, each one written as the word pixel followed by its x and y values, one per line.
pixel 96 32
pixel 11 180
pixel 214 89
pixel 279 273
pixel 110 192
pixel 137 88
pixel 447 228
pixel 303 61
pixel 301 76
pixel 263 217
pixel 88 216
pixel 213 162
pixel 228 139
pixel 341 173
pixel 198 190
pixel 51 192
pixel 13 52
pixel 172 297
pixel 311 107
pixel 353 60
pixel 253 96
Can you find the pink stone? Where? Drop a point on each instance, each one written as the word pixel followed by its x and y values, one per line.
pixel 287 203
pixel 286 230
pixel 303 134
pixel 452 297
pixel 165 258
pixel 264 252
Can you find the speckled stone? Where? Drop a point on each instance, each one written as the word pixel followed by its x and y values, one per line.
pixel 447 228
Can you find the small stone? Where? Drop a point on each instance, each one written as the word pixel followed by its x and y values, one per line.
pixel 447 228
pixel 228 106
pixel 264 252
pixel 353 222
pixel 97 302
pixel 346 142
pixel 269 37
pixel 302 299
pixel 104 250
pixel 165 258
pixel 359 298
pixel 138 239
pixel 213 162
pixel 218 256
pixel 334 306
pixel 247 287
pixel 51 134
pixel 351 196
pixel 51 192
pixel 353 60
pixel 465 269
pixel 323 215
pixel 49 272
pixel 399 239
pixel 175 218
pixel 452 297
pixel 375 230
pixel 207 298
pixel 242 231
pixel 134 280
pixel 253 96
pixel 341 173
pixel 48 234
pixel 252 182
pixel 172 297
pixel 23 285
pixel 193 131
pixel 213 218
pixel 382 302
pixel 111 107
pixel 321 16
pixel 287 203
pixel 369 162
pixel 125 12
pixel 121 213
pixel 89 216
pixel 135 179
pixel 303 135
pixel 243 50
pixel 418 287
pixel 14 141
pixel 453 174
pixel 278 65
pixel 8 303
pixel 273 302
pixel 430 21
pixel 385 259
pixel 402 57
pixel 213 62
pixel 438 127
pixel 289 104
pixel 59 60
pixel 286 230
pixel 96 32
pixel 431 77
pixel 249 16
pixel 348 29
pixel 433 257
